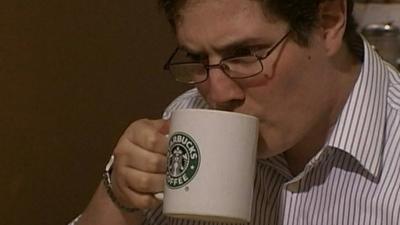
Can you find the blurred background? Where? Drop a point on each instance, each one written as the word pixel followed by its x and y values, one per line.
pixel 379 22
pixel 73 75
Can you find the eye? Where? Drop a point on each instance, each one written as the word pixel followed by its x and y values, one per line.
pixel 195 57
pixel 244 51
pixel 252 50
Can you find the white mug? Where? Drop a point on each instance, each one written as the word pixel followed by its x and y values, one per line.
pixel 211 165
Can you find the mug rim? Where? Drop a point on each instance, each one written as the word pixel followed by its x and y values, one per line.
pixel 217 112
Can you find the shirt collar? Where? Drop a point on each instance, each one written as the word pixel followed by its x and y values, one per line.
pixel 359 129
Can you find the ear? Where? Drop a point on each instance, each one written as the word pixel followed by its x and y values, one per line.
pixel 332 22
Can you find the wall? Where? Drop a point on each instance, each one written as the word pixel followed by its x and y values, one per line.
pixel 73 75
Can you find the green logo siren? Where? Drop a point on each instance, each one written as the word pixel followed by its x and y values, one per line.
pixel 183 160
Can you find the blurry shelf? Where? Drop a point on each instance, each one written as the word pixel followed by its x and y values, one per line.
pixel 367 13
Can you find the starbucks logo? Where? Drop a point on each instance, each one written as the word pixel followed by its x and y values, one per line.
pixel 183 160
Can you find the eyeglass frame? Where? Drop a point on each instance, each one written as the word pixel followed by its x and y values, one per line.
pixel 221 65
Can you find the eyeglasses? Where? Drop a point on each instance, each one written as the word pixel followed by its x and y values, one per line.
pixel 236 67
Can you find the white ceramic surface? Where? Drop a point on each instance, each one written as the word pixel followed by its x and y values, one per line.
pixel 222 187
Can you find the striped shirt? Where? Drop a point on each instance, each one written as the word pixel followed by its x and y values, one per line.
pixel 354 179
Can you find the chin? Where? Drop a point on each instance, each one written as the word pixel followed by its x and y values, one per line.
pixel 265 151
pixel 270 145
pixel 264 154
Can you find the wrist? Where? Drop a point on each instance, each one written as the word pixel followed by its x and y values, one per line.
pixel 108 186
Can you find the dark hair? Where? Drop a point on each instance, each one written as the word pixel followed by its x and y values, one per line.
pixel 301 15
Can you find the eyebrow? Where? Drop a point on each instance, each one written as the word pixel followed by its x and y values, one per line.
pixel 229 47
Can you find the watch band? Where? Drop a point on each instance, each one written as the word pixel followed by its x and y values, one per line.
pixel 108 186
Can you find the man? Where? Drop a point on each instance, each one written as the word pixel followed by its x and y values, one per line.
pixel 329 111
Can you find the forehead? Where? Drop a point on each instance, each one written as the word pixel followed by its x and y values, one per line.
pixel 221 6
pixel 217 22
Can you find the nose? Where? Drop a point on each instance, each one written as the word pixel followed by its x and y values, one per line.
pixel 221 91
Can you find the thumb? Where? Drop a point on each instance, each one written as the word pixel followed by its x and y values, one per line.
pixel 162 125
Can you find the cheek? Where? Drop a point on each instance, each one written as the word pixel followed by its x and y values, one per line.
pixel 202 88
pixel 291 77
pixel 282 99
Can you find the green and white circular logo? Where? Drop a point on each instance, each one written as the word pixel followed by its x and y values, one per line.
pixel 183 160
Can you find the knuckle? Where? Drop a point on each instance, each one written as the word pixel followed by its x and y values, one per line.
pixel 151 141
pixel 144 183
pixel 140 122
pixel 118 151
pixel 122 147
pixel 118 178
pixel 136 127
pixel 155 163
pixel 120 155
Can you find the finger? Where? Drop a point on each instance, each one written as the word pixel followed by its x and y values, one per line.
pixel 164 129
pixel 143 201
pixel 148 135
pixel 145 182
pixel 141 182
pixel 138 158
pixel 132 199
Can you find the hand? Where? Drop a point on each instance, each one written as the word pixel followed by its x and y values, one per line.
pixel 140 163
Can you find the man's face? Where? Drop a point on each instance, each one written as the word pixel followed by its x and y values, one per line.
pixel 289 96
